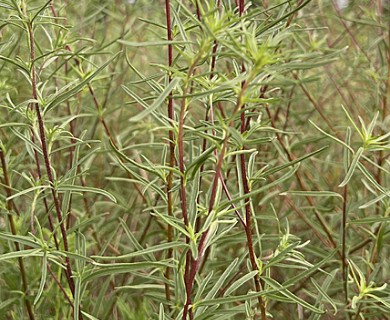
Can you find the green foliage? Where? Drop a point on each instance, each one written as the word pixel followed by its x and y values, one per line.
pixel 244 176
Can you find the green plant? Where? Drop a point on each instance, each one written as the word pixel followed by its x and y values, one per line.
pixel 194 160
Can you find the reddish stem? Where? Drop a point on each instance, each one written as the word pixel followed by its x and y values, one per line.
pixel 10 205
pixel 171 115
pixel 244 180
pixel 46 156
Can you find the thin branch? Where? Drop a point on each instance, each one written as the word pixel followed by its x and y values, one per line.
pixel 171 115
pixel 13 231
pixel 46 155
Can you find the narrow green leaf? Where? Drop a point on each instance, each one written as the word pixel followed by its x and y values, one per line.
pixel 202 286
pixel 67 198
pixel 291 163
pixel 23 192
pixel 142 287
pixel 121 155
pixel 153 84
pixel 159 247
pixel 159 100
pixel 353 122
pixel 284 17
pixel 238 283
pixel 16 63
pixel 43 277
pixel 380 300
pixel 330 136
pixel 288 294
pixel 63 96
pixel 193 206
pixel 84 224
pixel 281 255
pixel 30 146
pixel 311 194
pixel 152 22
pixel 172 223
pixel 193 168
pixel 352 167
pixel 369 220
pixel 230 299
pixel 21 254
pixel 72 255
pixel 75 188
pixel 13 125
pixel 375 200
pixel 370 178
pixel 324 294
pixel 347 152
pixel 308 272
pixel 150 43
pixel 221 280
pixel 4 304
pixel 77 298
pixel 40 10
pixel 88 316
pixel 286 176
pixel 20 239
pixel 161 314
pixel 130 235
pixel 101 301
pixel 118 268
pixel 8 7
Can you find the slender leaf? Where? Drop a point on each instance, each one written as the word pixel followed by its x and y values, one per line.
pixel 157 103
pixel 118 268
pixel 43 277
pixel 75 188
pixel 312 194
pixel 63 96
pixel 159 247
pixel 352 167
pixel 238 283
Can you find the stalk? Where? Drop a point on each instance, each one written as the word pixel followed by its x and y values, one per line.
pixel 171 115
pixel 183 196
pixel 48 213
pixel 248 214
pixel 13 231
pixel 190 276
pixel 343 245
pixel 381 155
pixel 46 157
pixel 209 112
pixel 60 285
pixel 244 180
pixel 192 266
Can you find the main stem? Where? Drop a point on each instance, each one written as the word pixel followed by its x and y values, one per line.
pixel 13 231
pixel 183 196
pixel 343 245
pixel 46 156
pixel 191 271
pixel 171 115
pixel 244 180
pixel 248 221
